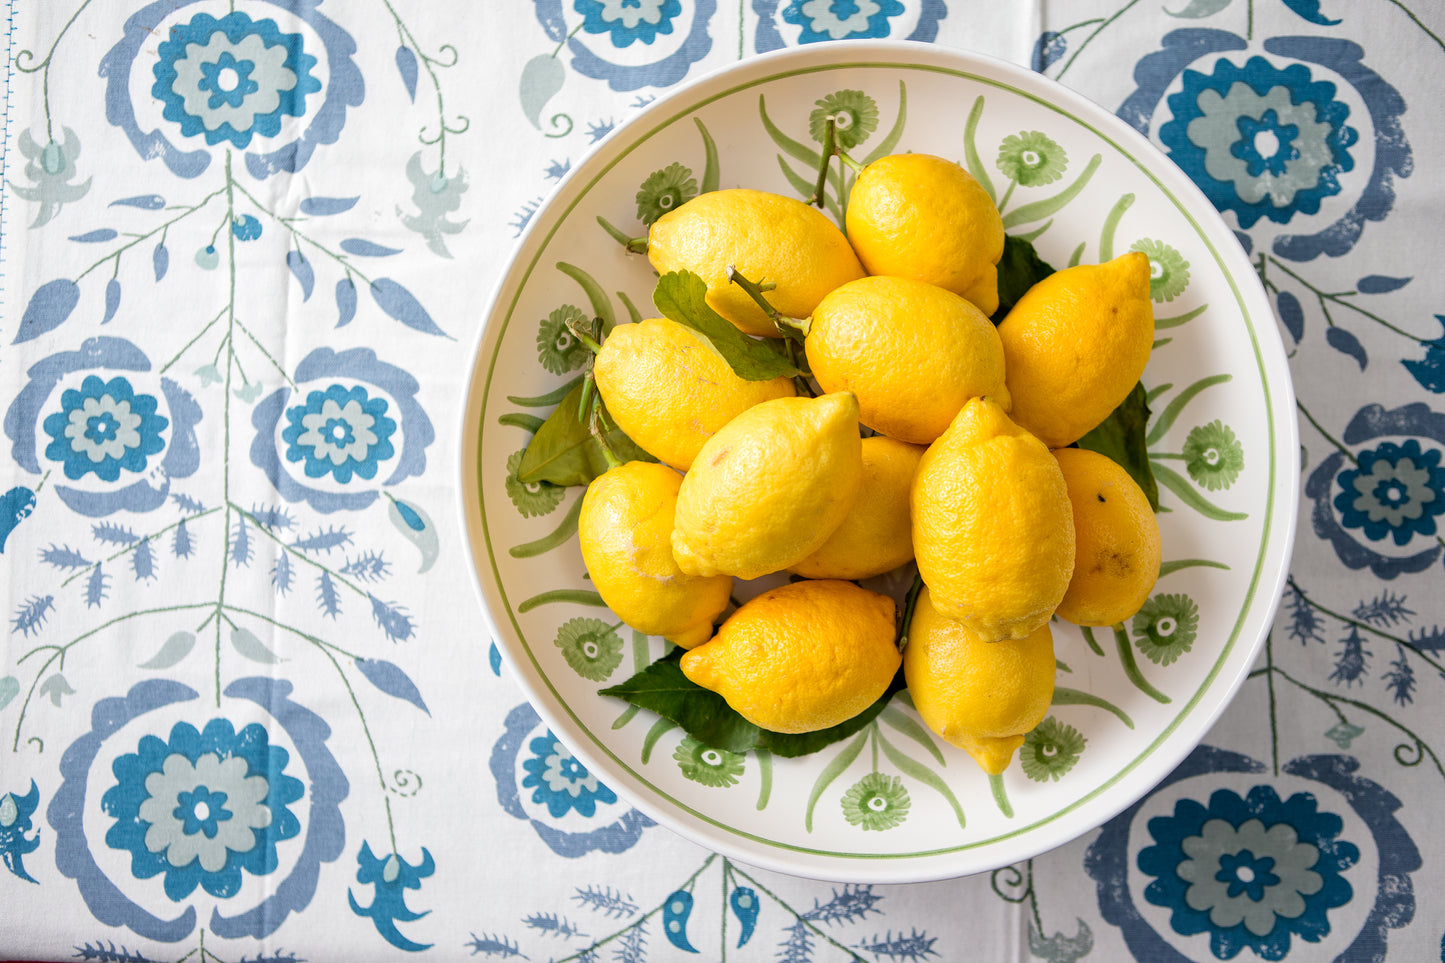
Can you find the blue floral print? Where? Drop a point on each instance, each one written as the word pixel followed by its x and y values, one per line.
pixel 1394 490
pixel 841 19
pixel 202 807
pixel 628 21
pixel 104 427
pixel 559 780
pixel 340 431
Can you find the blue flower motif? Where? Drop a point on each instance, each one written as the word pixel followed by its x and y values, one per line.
pixel 1270 142
pixel 121 446
pixel 339 431
pixel 1253 870
pixel 233 81
pixel 572 812
pixel 823 20
pixel 364 419
pixel 629 20
pixel 391 877
pixel 201 805
pixel 1394 490
pixel 104 427
pixel 1259 140
pixel 619 24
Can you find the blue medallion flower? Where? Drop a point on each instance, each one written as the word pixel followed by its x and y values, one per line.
pixel 1394 490
pixel 339 431
pixel 234 81
pixel 841 19
pixel 559 780
pixel 121 440
pixel 628 21
pixel 104 427
pixel 364 420
pixel 202 807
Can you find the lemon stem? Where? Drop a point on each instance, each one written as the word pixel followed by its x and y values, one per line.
pixel 910 603
pixel 590 336
pixel 786 325
pixel 599 431
pixel 634 245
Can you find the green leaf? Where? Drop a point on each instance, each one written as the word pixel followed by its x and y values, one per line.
pixel 706 716
pixel 1121 436
pixel 564 452
pixel 682 297
pixel 1019 269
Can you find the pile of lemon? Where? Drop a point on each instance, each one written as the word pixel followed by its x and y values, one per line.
pixel 935 437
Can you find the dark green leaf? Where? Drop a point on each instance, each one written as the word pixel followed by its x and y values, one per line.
pixel 1121 436
pixel 1019 269
pixel 681 296
pixel 564 452
pixel 706 716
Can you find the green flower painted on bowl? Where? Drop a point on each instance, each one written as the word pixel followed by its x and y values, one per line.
pixel 557 347
pixel 1031 158
pixel 1213 455
pixel 591 647
pixel 1051 750
pixel 1165 627
pixel 1168 271
pixel 664 190
pixel 704 764
pixel 876 802
pixel 538 498
pixel 855 118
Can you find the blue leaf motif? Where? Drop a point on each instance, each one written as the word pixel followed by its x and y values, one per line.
pixel 675 912
pixel 1346 343
pixel 1380 284
pixel 176 648
pixel 322 206
pixel 248 646
pixel 1291 314
pixel 96 236
pixel 9 689
pixel 395 623
pixel 406 65
pixel 402 305
pixel 1310 10
pixel 161 260
pixel 1048 50
pixel 744 903
pixel 181 544
pixel 389 678
pixel 541 78
pixel 416 527
pixel 345 301
pixel 1198 9
pixel 143 561
pixel 327 597
pixel 146 202
pixel 96 587
pixel 361 247
pixel 49 306
pixel 301 269
pixel 112 300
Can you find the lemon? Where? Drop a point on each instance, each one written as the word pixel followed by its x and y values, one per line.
pixel 980 695
pixel 670 390
pixel 911 351
pixel 768 238
pixel 770 487
pixel 993 530
pixel 875 536
pixel 1075 344
pixel 801 657
pixel 1116 538
pixel 625 531
pixel 924 217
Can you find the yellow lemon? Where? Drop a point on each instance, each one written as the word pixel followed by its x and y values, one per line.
pixel 801 657
pixel 770 487
pixel 625 530
pixel 911 351
pixel 1075 344
pixel 993 531
pixel 875 536
pixel 924 217
pixel 980 695
pixel 767 238
pixel 1116 538
pixel 669 390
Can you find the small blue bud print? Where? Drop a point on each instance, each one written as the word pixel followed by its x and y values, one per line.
pixel 674 919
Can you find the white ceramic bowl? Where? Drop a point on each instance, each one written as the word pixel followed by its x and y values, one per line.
pixel 895 804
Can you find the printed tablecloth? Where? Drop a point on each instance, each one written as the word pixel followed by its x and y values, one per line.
pixel 246 709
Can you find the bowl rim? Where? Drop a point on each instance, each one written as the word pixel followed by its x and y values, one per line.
pixel 1282 501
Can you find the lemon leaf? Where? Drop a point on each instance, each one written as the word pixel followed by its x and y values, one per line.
pixel 1019 269
pixel 681 296
pixel 564 452
pixel 1123 437
pixel 703 714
